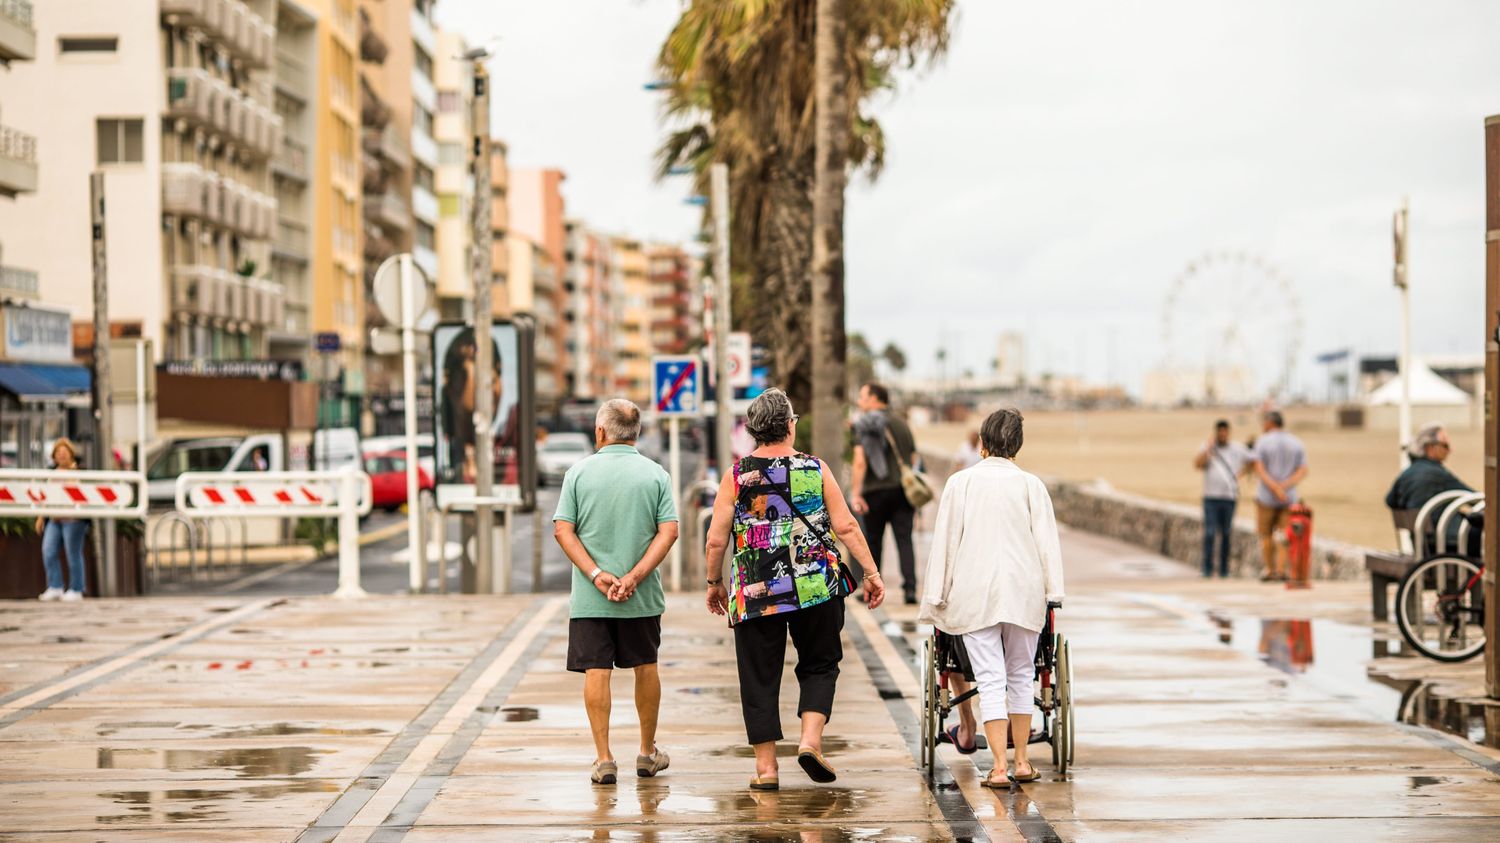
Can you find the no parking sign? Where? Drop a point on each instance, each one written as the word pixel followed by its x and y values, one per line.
pixel 675 384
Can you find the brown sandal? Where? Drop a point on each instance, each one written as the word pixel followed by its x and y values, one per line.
pixel 816 766
pixel 991 783
pixel 1034 775
pixel 765 783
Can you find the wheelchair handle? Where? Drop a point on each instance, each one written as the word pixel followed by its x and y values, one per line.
pixel 1054 604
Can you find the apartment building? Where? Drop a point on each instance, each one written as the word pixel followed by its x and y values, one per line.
pixel 18 168
pixel 295 102
pixel 386 60
pixel 632 320
pixel 537 214
pixel 676 301
pixel 175 108
pixel 454 177
pixel 499 227
pixel 424 203
pixel 588 285
pixel 532 284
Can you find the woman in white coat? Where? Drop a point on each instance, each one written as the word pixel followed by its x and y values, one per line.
pixel 995 565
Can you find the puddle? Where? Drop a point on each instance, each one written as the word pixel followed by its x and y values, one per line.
pixel 252 762
pixel 107 729
pixel 284 729
pixel 724 692
pixel 62 639
pixel 1328 655
pixel 1476 722
pixel 141 802
pixel 4 629
pixel 519 714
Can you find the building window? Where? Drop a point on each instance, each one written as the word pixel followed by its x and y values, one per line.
pixel 422 177
pixel 423 61
pixel 421 120
pixel 121 141
pixel 448 102
pixel 87 44
pixel 449 205
pixel 425 236
pixel 451 154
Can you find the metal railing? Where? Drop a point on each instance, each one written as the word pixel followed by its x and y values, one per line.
pixel 18 11
pixel 291 159
pixel 17 145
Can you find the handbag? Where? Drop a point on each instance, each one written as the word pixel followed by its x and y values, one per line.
pixel 914 484
pixel 846 584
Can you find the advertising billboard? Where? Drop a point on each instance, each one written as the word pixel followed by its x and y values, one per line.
pixel 513 385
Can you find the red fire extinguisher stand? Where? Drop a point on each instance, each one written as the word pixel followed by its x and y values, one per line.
pixel 1299 546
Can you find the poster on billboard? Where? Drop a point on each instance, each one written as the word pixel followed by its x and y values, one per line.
pixel 513 387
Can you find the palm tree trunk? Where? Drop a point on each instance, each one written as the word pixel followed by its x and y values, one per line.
pixel 831 137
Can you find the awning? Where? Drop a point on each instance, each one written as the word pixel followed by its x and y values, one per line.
pixel 38 382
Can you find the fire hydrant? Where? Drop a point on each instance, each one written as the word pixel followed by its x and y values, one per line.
pixel 1299 546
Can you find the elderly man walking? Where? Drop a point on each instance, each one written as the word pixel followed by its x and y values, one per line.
pixel 616 521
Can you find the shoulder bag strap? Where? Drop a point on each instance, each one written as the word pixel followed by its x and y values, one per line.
pixel 822 536
pixel 901 462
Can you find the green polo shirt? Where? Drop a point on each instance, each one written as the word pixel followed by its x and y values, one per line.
pixel 614 500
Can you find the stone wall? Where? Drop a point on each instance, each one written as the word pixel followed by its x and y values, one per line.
pixel 1176 531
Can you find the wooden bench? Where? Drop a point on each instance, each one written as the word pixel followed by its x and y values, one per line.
pixel 1386 568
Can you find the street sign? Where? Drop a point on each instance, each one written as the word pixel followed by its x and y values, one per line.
pixel 327 342
pixel 675 385
pixel 385 289
pixel 739 359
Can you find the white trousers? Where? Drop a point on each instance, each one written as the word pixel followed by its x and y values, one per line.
pixel 1004 661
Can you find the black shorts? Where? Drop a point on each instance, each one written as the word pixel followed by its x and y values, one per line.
pixel 604 643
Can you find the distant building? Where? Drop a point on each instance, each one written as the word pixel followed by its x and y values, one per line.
pixel 632 320
pixel 676 302
pixel 1228 385
pixel 537 214
pixel 453 178
pixel 1010 360
pixel 533 283
pixel 589 285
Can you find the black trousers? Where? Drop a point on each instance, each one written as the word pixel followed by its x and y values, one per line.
pixel 890 507
pixel 760 651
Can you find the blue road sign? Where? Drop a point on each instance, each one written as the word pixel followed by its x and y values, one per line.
pixel 675 385
pixel 326 342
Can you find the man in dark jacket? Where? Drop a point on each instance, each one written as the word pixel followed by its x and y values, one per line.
pixel 1427 476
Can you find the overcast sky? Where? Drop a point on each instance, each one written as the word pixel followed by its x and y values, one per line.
pixel 1065 162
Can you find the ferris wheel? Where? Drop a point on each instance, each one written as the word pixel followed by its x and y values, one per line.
pixel 1234 318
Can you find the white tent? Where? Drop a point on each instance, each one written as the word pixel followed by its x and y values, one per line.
pixel 1428 389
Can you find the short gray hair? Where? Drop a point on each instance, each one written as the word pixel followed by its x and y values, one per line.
pixel 620 419
pixel 1425 437
pixel 767 416
pixel 1001 433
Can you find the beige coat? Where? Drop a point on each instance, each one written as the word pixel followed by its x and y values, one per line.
pixel 995 553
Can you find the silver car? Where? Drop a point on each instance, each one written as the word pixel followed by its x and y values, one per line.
pixel 560 452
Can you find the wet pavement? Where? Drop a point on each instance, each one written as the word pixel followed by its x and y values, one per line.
pixel 1207 710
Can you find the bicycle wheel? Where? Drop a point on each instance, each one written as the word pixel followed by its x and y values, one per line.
pixel 1440 609
pixel 1062 721
pixel 929 705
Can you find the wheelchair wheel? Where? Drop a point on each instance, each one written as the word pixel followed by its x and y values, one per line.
pixel 1440 609
pixel 1062 723
pixel 930 722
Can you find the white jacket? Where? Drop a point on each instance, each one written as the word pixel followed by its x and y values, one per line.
pixel 995 553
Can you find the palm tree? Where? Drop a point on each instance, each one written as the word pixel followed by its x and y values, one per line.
pixel 740 80
pixel 894 357
pixel 831 154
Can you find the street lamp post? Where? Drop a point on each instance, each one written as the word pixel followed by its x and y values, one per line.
pixel 718 180
pixel 1403 425
pixel 484 359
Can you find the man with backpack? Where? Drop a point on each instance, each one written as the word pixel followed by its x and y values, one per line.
pixel 882 444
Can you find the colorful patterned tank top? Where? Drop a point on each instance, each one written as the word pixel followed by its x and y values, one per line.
pixel 779 564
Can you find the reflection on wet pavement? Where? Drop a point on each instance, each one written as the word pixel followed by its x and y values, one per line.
pixel 250 762
pixel 1474 720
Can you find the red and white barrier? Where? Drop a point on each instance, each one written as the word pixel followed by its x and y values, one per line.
pixel 345 495
pixel 72 494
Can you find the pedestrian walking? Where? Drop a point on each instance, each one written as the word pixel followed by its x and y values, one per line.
pixel 782 509
pixel 63 536
pixel 616 521
pixel 1281 465
pixel 1223 463
pixel 995 564
pixel 882 443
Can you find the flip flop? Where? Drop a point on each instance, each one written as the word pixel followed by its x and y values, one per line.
pixel 815 765
pixel 1035 775
pixel 992 784
pixel 765 783
pixel 952 734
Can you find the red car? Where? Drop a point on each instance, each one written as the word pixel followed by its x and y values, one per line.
pixel 388 479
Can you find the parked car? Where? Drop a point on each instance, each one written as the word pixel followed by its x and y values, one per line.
pixel 388 479
pixel 387 444
pixel 558 453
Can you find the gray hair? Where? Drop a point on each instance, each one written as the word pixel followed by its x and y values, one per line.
pixel 620 419
pixel 1001 433
pixel 1425 437
pixel 767 417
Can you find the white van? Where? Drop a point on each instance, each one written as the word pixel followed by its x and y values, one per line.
pixel 335 448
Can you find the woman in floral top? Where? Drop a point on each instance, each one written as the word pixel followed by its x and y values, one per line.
pixel 783 509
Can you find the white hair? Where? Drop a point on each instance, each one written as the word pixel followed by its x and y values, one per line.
pixel 1425 437
pixel 620 419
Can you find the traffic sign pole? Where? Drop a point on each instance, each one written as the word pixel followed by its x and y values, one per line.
pixel 674 459
pixel 676 389
pixel 410 311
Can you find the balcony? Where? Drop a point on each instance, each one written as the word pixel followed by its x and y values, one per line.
pixel 190 96
pixel 291 78
pixel 426 260
pixel 290 161
pixel 422 90
pixel 387 145
pixel 291 242
pixel 22 282
pixel 424 205
pixel 17 34
pixel 184 190
pixel 18 169
pixel 387 210
pixel 422 34
pixel 195 290
pixel 373 111
pixel 372 47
